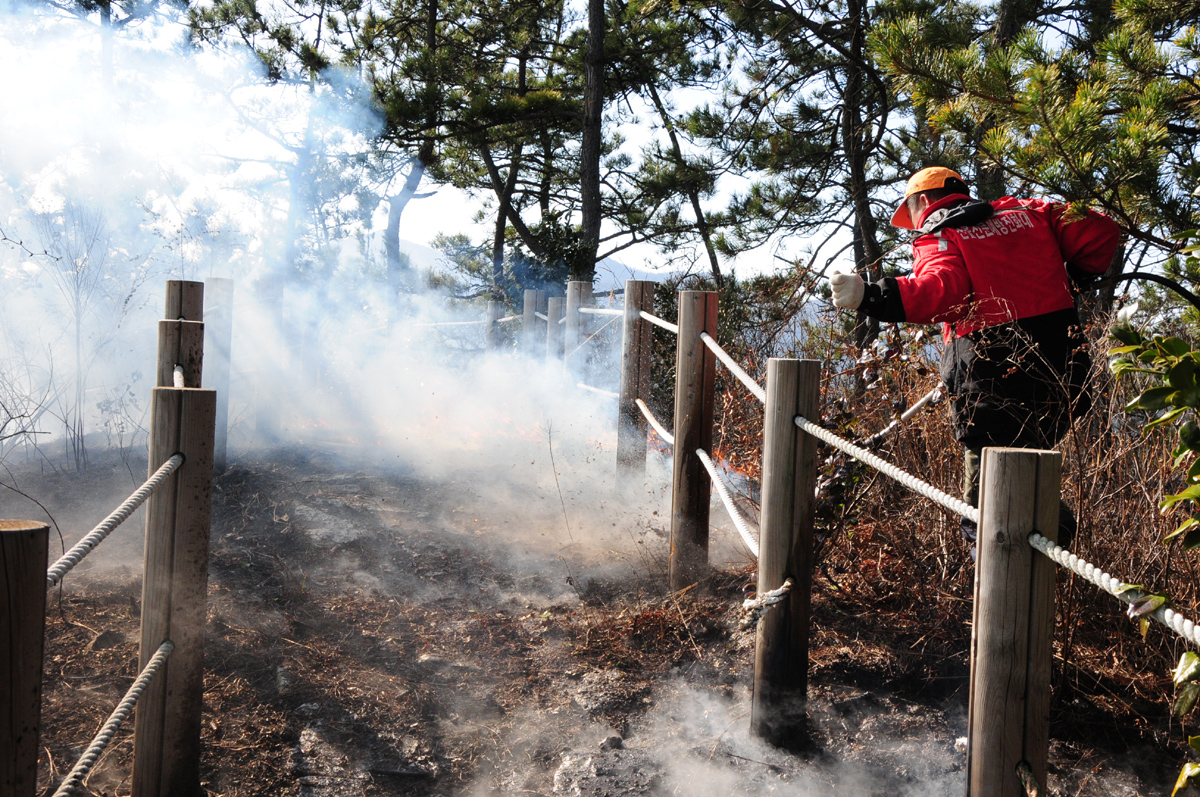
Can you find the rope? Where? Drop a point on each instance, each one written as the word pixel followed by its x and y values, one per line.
pixel 83 767
pixel 94 537
pixel 1060 556
pixel 905 478
pixel 739 522
pixel 508 318
pixel 608 393
pixel 562 320
pixel 734 368
pixel 541 315
pixel 932 395
pixel 753 609
pixel 658 322
pixel 589 338
pixel 1028 780
pixel 177 376
pixel 600 311
pixel 658 427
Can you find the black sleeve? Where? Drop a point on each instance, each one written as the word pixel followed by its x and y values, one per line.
pixel 881 300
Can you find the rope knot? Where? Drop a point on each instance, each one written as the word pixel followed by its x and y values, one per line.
pixel 753 609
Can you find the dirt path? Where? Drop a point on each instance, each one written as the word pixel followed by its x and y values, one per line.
pixel 377 632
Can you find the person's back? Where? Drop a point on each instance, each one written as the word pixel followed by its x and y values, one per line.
pixel 983 264
pixel 996 276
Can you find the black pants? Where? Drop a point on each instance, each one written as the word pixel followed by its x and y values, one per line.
pixel 972 465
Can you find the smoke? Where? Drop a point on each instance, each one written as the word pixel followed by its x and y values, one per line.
pixel 701 739
pixel 165 163
pixel 187 165
pixel 694 740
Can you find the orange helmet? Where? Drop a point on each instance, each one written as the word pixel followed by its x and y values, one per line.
pixel 924 180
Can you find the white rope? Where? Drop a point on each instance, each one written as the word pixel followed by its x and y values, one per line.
pixel 592 336
pixel 734 368
pixel 753 609
pixel 119 515
pixel 1028 780
pixel 658 322
pixel 932 395
pixel 600 311
pixel 177 376
pixel 739 522
pixel 541 315
pixel 83 767
pixel 562 320
pixel 508 318
pixel 658 427
pixel 905 478
pixel 1168 617
pixel 608 393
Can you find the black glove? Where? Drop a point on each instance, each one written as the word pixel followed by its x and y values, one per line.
pixel 1081 280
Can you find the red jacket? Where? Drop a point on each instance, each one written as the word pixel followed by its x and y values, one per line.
pixel 1009 267
pixel 1015 362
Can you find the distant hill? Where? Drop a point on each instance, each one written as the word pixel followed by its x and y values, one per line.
pixel 611 275
pixel 423 257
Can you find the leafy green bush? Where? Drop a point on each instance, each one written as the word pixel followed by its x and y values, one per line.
pixel 1172 397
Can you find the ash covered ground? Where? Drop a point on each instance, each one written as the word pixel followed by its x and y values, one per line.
pixel 378 631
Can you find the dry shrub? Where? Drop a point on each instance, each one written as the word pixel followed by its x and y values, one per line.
pixel 887 553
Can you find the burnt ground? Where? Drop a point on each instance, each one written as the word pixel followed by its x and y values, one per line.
pixel 375 631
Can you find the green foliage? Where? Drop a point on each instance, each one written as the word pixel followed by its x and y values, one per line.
pixel 1172 397
pixel 1190 772
pixel 1102 115
pixel 1187 684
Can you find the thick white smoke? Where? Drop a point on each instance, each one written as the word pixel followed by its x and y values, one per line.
pixel 181 165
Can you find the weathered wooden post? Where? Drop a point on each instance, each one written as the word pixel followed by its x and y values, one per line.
pixel 23 549
pixel 635 383
pixel 789 479
pixel 1009 715
pixel 554 330
pixel 579 294
pixel 175 586
pixel 266 396
pixel 695 369
pixel 181 334
pixel 532 331
pixel 218 331
pixel 492 333
pixel 185 299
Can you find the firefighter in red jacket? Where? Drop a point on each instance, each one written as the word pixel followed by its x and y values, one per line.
pixel 997 276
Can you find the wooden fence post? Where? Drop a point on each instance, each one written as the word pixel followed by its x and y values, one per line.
pixel 266 390
pixel 579 294
pixel 695 369
pixel 181 334
pixel 174 594
pixel 531 326
pixel 218 327
pixel 1009 714
pixel 23 549
pixel 166 758
pixel 492 330
pixel 554 330
pixel 635 384
pixel 789 478
pixel 185 299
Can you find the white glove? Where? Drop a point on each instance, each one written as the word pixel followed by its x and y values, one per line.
pixel 847 289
